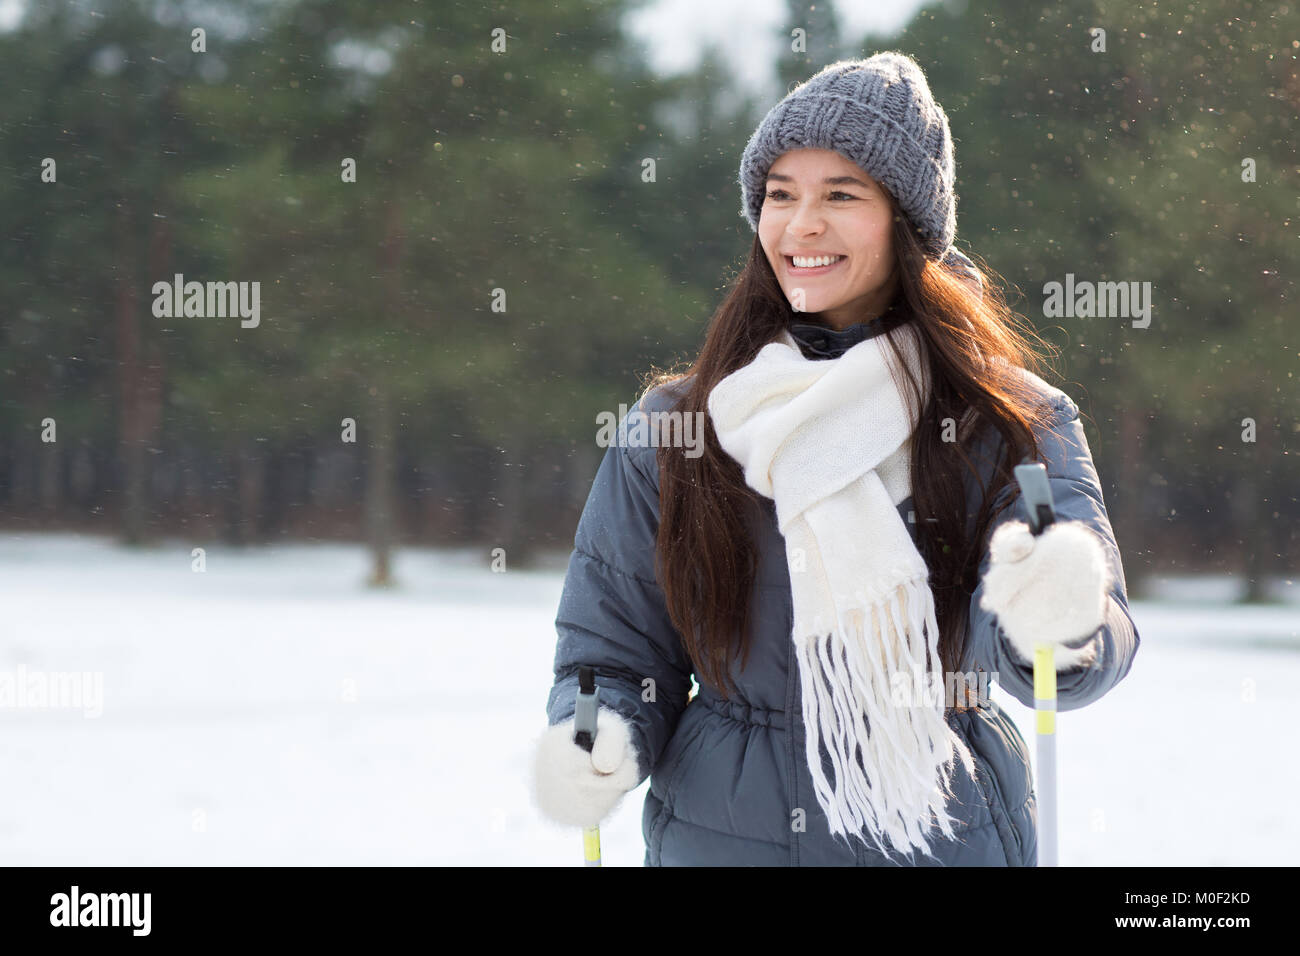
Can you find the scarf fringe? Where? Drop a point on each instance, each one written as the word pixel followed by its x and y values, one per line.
pixel 846 677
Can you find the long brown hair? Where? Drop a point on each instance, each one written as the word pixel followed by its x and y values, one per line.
pixel 705 555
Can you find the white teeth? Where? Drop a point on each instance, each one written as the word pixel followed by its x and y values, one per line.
pixel 802 262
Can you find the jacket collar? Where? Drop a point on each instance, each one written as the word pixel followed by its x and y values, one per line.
pixel 823 342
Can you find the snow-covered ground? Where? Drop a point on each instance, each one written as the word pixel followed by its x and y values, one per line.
pixel 272 710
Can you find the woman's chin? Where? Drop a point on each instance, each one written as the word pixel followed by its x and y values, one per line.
pixel 805 304
pixel 809 308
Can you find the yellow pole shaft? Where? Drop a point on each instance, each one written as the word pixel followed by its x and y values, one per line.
pixel 1045 708
pixel 591 846
pixel 1045 686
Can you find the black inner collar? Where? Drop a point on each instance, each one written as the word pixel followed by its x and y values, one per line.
pixel 820 341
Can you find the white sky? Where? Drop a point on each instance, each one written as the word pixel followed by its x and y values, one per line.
pixel 749 32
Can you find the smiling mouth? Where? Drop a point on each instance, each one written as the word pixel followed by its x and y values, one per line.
pixel 795 270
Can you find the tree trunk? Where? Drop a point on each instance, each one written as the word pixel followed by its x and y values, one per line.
pixel 49 480
pixel 1126 512
pixel 379 486
pixel 250 478
pixel 1252 516
pixel 510 520
pixel 380 495
pixel 131 447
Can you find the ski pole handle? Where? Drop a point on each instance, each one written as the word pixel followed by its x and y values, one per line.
pixel 584 722
pixel 1037 493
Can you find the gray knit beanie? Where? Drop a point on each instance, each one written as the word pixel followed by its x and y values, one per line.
pixel 879 114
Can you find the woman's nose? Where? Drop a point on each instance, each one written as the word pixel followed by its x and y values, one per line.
pixel 804 220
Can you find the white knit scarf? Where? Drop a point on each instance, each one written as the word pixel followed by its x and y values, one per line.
pixel 829 440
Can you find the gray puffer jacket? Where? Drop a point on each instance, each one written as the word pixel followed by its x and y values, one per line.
pixel 728 776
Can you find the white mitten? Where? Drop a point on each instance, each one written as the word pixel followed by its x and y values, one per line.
pixel 1050 588
pixel 577 788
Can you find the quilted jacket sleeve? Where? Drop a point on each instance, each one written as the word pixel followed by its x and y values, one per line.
pixel 1076 492
pixel 612 615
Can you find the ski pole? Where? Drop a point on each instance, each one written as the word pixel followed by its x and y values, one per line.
pixel 1037 493
pixel 584 722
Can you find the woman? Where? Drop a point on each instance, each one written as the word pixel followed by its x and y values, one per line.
pixel 847 559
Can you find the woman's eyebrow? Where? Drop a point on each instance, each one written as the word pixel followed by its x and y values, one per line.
pixel 828 181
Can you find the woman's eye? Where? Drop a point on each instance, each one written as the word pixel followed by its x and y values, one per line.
pixel 782 194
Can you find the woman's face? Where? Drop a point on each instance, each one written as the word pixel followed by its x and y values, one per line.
pixel 820 204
